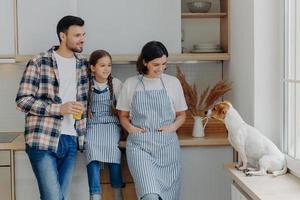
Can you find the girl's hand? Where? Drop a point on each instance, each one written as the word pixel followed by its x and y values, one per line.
pixel 134 129
pixel 169 128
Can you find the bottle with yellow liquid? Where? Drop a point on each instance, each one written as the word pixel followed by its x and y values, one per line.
pixel 77 116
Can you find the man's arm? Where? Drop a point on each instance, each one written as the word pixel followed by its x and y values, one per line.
pixel 26 97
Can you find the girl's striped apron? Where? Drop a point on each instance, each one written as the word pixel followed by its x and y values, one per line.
pixel 103 131
pixel 153 156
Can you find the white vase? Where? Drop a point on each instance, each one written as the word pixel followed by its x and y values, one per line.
pixel 198 129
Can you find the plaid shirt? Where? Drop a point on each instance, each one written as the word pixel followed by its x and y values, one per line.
pixel 38 97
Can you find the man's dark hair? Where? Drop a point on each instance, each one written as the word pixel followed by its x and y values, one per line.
pixel 67 21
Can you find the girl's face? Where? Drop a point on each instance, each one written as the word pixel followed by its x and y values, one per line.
pixel 156 67
pixel 102 69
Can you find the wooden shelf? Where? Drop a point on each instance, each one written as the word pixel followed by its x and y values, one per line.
pixel 173 58
pixel 202 15
pixel 185 57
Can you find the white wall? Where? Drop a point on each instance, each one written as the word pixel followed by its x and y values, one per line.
pixel 240 69
pixel 256 62
pixel 268 54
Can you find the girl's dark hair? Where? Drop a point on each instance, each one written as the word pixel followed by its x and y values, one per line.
pixel 150 51
pixel 94 57
pixel 67 21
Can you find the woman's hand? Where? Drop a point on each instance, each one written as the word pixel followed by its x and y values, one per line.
pixel 125 122
pixel 169 128
pixel 180 117
pixel 132 129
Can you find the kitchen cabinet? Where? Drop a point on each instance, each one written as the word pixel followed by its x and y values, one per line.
pixel 123 27
pixel 37 22
pixel 5 183
pixel 116 26
pixel 203 175
pixel 122 21
pixel 211 27
pixel 7 25
pixel 237 193
pixel 26 186
pixel 5 176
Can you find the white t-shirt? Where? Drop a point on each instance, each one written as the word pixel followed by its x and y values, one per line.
pixel 67 89
pixel 117 86
pixel 172 85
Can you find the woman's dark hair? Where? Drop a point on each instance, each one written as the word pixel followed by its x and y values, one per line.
pixel 67 21
pixel 94 57
pixel 150 51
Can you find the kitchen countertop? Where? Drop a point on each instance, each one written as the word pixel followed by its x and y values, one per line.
pixel 266 187
pixel 185 140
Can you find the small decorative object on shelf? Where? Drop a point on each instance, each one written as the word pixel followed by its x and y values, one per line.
pixel 197 105
pixel 198 6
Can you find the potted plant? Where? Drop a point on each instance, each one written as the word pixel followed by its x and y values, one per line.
pixel 198 104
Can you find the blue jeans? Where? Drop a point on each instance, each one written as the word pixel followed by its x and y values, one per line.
pixel 53 171
pixel 94 174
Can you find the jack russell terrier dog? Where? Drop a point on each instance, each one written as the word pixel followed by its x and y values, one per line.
pixel 253 147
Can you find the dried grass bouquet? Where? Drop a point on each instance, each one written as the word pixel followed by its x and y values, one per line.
pixel 198 104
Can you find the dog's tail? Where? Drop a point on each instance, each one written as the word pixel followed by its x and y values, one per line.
pixel 281 172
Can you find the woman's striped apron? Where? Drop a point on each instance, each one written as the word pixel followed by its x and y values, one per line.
pixel 153 156
pixel 103 131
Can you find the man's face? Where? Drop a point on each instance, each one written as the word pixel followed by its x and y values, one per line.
pixel 74 38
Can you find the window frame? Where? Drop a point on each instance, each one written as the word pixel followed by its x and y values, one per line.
pixel 290 29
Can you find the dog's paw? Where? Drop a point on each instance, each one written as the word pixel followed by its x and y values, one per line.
pixel 247 173
pixel 246 170
pixel 242 168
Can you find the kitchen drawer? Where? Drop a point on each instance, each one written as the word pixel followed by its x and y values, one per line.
pixel 4 158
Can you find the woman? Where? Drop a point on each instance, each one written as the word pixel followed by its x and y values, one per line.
pixel 152 107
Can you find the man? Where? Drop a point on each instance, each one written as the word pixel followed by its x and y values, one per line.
pixel 54 87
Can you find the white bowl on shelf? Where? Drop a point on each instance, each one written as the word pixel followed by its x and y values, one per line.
pixel 206 46
pixel 198 6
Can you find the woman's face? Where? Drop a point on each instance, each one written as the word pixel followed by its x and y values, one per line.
pixel 156 67
pixel 102 69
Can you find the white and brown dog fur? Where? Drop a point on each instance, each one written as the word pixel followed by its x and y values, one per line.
pixel 253 147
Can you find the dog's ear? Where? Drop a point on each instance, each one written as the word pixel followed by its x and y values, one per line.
pixel 228 103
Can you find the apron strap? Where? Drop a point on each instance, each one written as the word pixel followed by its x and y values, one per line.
pixel 140 78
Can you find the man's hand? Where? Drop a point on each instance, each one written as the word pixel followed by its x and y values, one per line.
pixel 71 107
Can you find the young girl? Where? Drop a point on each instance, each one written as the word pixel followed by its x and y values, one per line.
pixel 103 127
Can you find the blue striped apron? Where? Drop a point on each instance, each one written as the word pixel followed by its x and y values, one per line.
pixel 153 157
pixel 103 131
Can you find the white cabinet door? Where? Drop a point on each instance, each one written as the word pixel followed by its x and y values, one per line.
pixel 5 183
pixel 123 27
pixel 37 22
pixel 204 176
pixel 237 193
pixel 25 183
pixel 7 36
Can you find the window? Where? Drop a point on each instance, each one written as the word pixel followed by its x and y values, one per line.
pixel 291 86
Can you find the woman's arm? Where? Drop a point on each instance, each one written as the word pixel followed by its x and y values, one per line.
pixel 180 118
pixel 125 122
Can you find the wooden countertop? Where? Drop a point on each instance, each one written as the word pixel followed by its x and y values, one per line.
pixel 267 187
pixel 185 141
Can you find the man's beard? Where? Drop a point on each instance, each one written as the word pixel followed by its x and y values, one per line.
pixel 75 50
